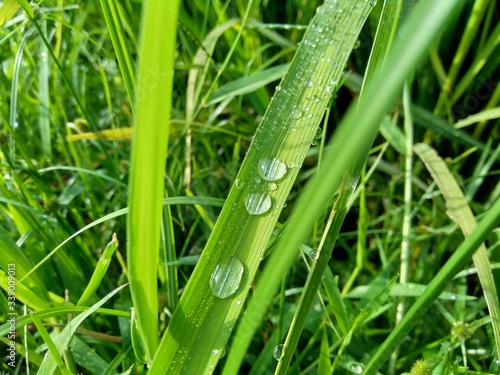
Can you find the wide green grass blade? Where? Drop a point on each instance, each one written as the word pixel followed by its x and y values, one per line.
pixel 426 21
pixel 461 213
pixel 149 147
pixel 203 321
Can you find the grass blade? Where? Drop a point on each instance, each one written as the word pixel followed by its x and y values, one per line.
pixel 426 21
pixel 149 146
pixel 460 211
pixel 251 210
pixel 457 261
pixel 111 16
pixel 50 362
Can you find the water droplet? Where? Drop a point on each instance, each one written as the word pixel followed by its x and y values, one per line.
pixel 219 352
pixel 313 255
pixel 239 184
pixel 226 277
pixel 296 113
pixel 238 302
pixel 272 186
pixel 278 352
pixel 319 133
pixel 258 203
pixel 356 368
pixel 272 169
pixel 309 83
pixel 278 88
pixel 314 99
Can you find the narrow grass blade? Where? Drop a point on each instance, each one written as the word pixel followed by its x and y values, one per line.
pixel 324 355
pixel 428 18
pixel 470 32
pixel 122 49
pixel 208 310
pixel 167 201
pixel 52 348
pixel 44 104
pixel 99 271
pixel 457 261
pixel 315 276
pixel 461 213
pixel 49 363
pixel 149 147
pixel 58 311
pixel 246 85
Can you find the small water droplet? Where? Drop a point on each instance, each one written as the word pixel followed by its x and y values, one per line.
pixel 356 368
pixel 319 133
pixel 309 83
pixel 272 169
pixel 278 88
pixel 296 113
pixel 226 277
pixel 313 255
pixel 258 203
pixel 278 352
pixel 314 99
pixel 272 186
pixel 238 302
pixel 239 184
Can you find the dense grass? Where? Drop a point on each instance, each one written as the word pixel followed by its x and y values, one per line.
pixel 138 204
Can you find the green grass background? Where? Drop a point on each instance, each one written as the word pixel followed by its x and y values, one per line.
pixel 149 120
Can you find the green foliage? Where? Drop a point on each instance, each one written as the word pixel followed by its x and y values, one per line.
pixel 297 187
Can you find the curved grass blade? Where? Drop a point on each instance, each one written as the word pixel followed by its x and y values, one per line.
pixel 248 84
pixel 426 21
pixel 167 201
pixel 460 211
pixel 99 271
pixel 49 363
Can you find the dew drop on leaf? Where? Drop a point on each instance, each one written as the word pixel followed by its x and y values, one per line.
pixel 313 255
pixel 272 169
pixel 258 203
pixel 296 113
pixel 278 352
pixel 226 277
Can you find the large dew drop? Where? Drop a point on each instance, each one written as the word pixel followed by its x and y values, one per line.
pixel 278 352
pixel 272 169
pixel 258 203
pixel 296 113
pixel 226 278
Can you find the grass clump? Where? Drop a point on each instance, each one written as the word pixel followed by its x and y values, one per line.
pixel 249 187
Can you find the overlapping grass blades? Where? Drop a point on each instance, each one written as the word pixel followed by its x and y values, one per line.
pixel 426 21
pixel 461 213
pixel 202 322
